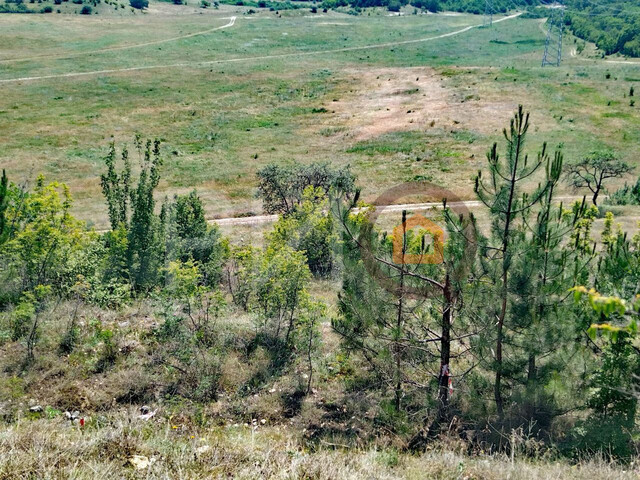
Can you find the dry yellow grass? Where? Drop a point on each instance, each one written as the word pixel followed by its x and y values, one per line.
pixel 112 446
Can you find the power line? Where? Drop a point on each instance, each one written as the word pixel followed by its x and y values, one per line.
pixel 553 46
pixel 487 20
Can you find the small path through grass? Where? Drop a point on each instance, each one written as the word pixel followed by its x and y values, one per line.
pixel 259 219
pixel 262 219
pixel 232 20
pixel 246 59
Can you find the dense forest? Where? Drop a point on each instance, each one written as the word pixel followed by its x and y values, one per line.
pixel 613 25
pixel 523 327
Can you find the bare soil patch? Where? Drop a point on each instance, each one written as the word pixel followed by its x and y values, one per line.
pixel 400 99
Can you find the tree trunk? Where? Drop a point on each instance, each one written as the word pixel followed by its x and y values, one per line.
pixel 497 386
pixel 445 353
pixel 420 440
pixel 397 347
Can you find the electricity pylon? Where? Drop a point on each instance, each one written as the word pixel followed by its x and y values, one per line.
pixel 487 21
pixel 553 45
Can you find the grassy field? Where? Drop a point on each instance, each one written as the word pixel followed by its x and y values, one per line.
pixel 292 87
pixel 164 448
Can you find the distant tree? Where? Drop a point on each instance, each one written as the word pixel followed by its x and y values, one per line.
pixel 86 10
pixel 627 195
pixel 592 171
pixel 394 6
pixel 433 6
pixel 281 188
pixel 139 4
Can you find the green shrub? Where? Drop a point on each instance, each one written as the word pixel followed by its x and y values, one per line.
pixel 627 195
pixel 86 10
pixel 394 6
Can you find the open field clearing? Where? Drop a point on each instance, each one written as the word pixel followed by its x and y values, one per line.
pixel 291 87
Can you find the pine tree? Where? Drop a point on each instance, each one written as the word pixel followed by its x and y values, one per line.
pixel 510 207
pixel 395 313
pixel 543 321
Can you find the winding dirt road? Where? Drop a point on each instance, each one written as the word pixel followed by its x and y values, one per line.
pixel 246 59
pixel 232 21
pixel 262 219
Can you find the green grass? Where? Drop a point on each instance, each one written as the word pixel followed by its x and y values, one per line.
pixel 215 118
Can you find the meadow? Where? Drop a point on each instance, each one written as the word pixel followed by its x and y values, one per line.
pixel 292 87
pixel 166 346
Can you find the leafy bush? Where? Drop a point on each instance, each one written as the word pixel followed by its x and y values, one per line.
pixel 281 188
pixel 86 10
pixel 188 237
pixel 45 240
pixel 308 229
pixel 139 4
pixel 188 335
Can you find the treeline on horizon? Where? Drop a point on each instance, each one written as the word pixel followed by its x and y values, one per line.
pixel 613 25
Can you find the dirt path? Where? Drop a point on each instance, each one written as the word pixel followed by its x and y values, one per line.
pixel 261 219
pixel 232 20
pixel 248 59
pixel 541 26
pixel 625 62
